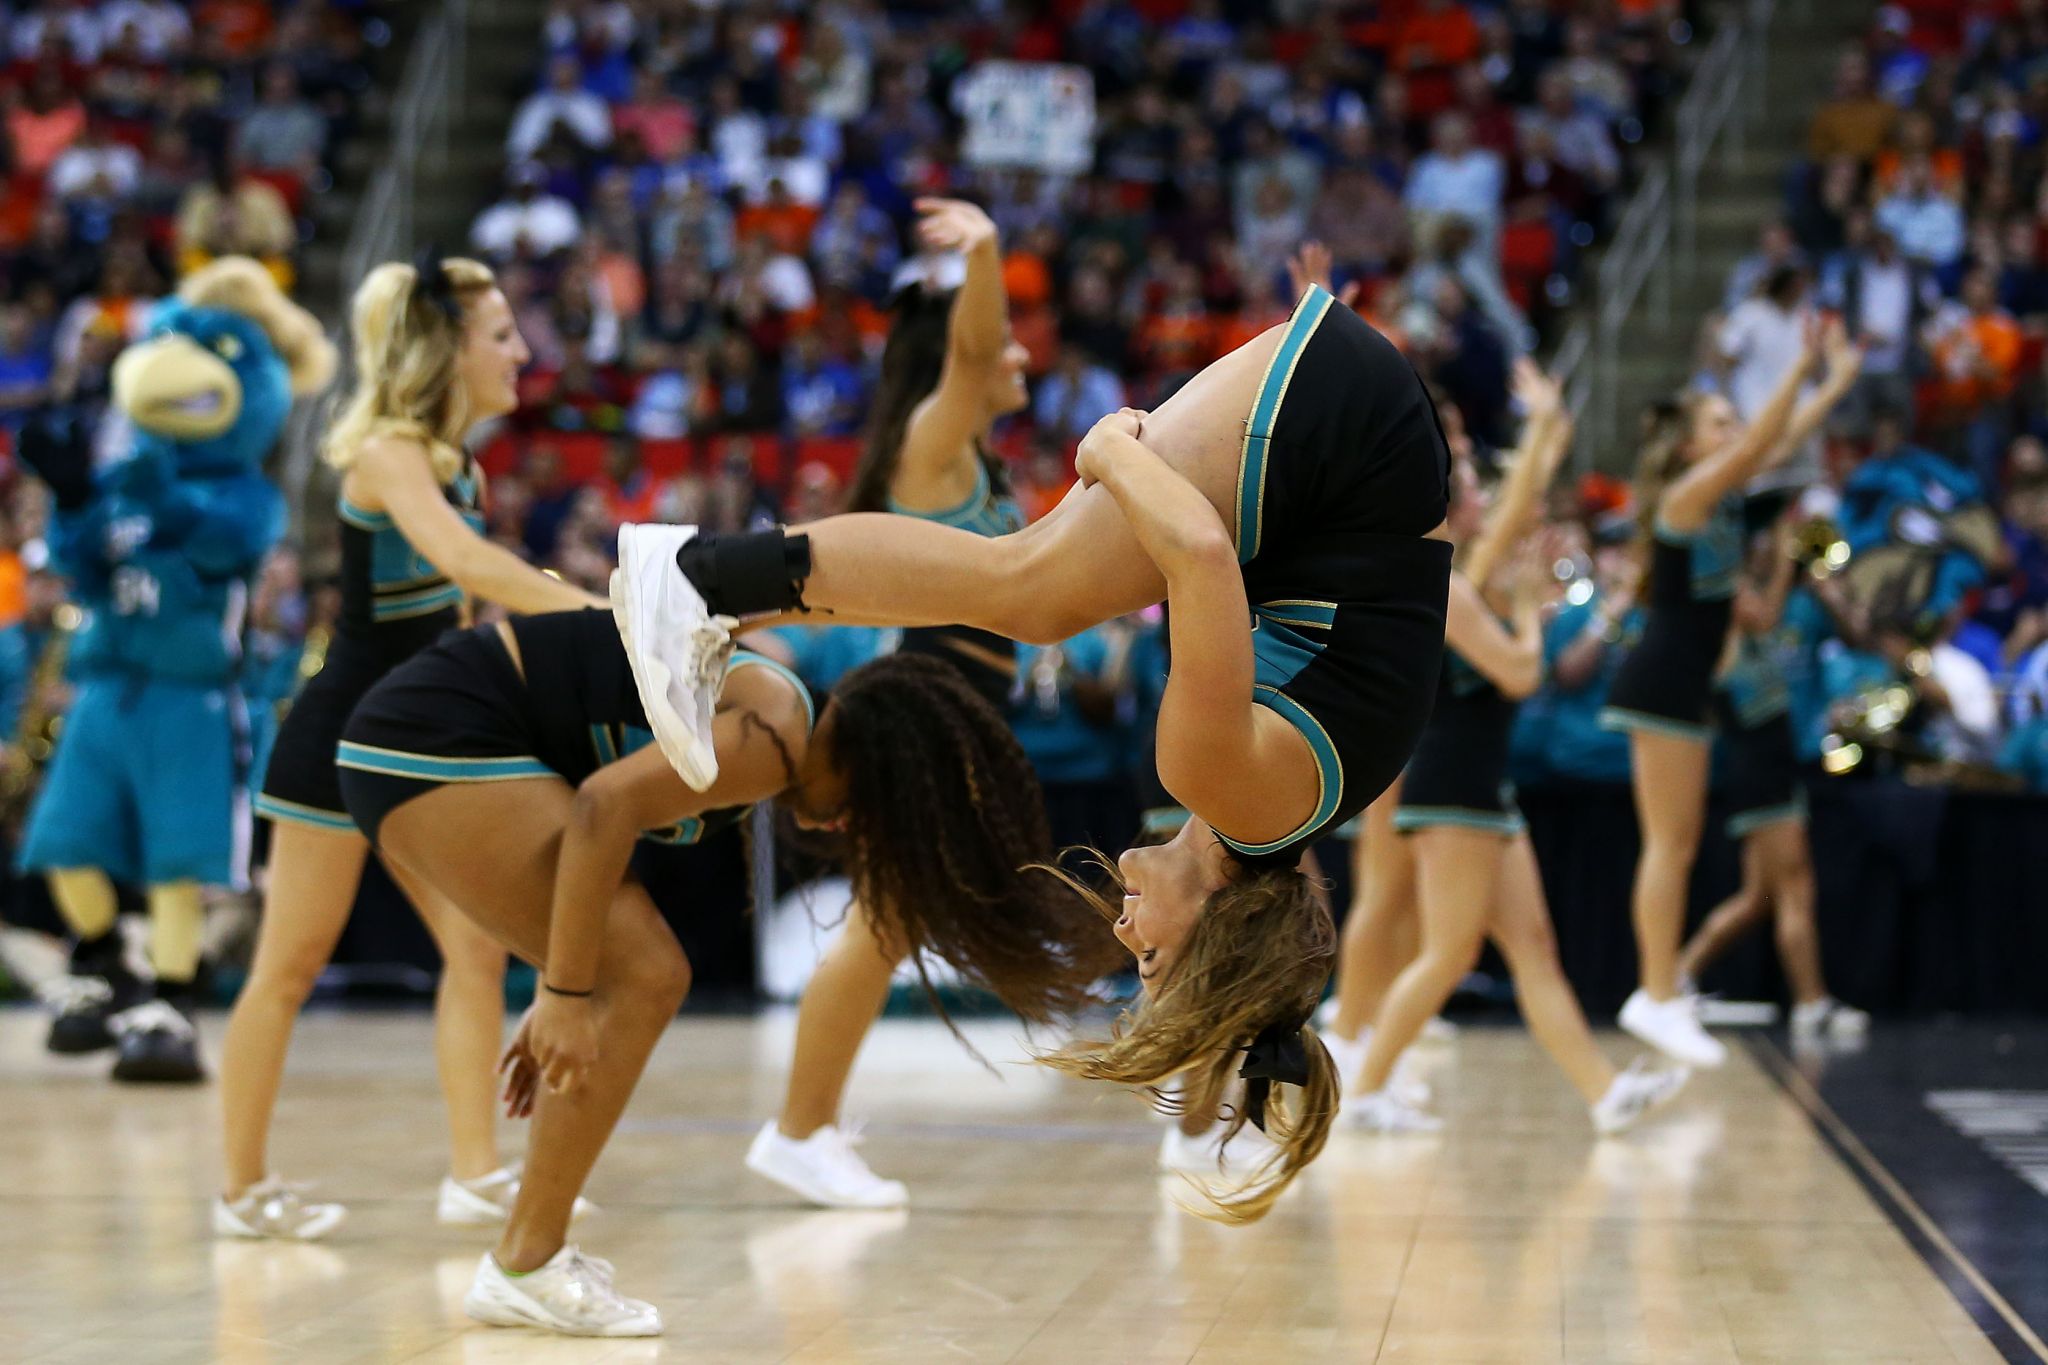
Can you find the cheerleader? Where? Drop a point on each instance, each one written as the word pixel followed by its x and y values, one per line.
pixel 1688 484
pixel 437 352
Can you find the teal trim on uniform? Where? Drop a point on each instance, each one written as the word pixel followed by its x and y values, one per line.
pixel 1329 768
pixel 1299 612
pixel 1665 532
pixel 1621 718
pixel 291 812
pixel 370 759
pixel 1279 653
pixel 362 518
pixel 742 659
pixel 981 512
pixel 1409 819
pixel 1745 823
pixel 1258 431
pixel 1350 829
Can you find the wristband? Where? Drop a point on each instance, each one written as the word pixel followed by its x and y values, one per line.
pixel 573 995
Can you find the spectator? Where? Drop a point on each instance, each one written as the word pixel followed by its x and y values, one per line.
pixel 1359 218
pixel 1764 337
pixel 1274 223
pixel 526 223
pixel 694 225
pixel 1457 179
pixel 284 133
pixel 664 123
pixel 1976 348
pixel 738 502
pixel 48 119
pixel 230 213
pixel 855 244
pixel 1884 300
pixel 1597 81
pixel 1074 396
pixel 1855 122
pixel 1265 158
pixel 1451 257
pixel 562 105
pixel 1580 138
pixel 1471 362
pixel 821 390
pixel 1927 225
pixel 1775 251
pixel 95 165
pixel 25 367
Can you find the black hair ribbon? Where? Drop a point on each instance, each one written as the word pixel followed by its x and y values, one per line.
pixel 432 282
pixel 1278 1054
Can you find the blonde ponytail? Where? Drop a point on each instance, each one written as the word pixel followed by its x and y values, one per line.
pixel 406 346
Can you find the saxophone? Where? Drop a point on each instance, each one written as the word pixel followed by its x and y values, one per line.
pixel 35 730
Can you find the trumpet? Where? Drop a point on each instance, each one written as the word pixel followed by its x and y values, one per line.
pixel 36 727
pixel 1817 544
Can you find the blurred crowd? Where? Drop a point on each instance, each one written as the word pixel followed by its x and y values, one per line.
pixel 1917 217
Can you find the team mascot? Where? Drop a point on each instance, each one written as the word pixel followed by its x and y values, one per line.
pixel 145 787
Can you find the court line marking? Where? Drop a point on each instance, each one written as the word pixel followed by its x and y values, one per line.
pixel 1844 1137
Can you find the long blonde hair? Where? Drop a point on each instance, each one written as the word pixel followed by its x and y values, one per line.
pixel 406 344
pixel 1255 961
pixel 1667 432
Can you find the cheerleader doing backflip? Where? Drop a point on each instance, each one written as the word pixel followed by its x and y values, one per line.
pixel 509 768
pixel 1289 504
pixel 437 352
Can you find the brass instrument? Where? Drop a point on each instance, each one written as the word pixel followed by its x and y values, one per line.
pixel 35 729
pixel 1817 544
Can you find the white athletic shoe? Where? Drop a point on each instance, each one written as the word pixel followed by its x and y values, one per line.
pixel 823 1168
pixel 273 1209
pixel 1828 1017
pixel 1349 1055
pixel 1672 1028
pixel 1439 1030
pixel 1384 1111
pixel 487 1200
pixel 571 1294
pixel 1634 1093
pixel 1206 1154
pixel 677 648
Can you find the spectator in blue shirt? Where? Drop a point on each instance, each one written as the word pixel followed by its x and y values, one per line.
pixel 1075 395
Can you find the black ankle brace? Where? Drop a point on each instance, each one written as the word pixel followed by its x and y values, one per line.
pixel 746 573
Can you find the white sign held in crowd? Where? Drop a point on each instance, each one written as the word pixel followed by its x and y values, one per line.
pixel 1029 114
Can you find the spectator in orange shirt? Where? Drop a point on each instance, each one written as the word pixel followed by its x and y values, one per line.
pixel 1918 137
pixel 1977 348
pixel 1438 35
pixel 1179 338
pixel 241 26
pixel 44 123
pixel 782 220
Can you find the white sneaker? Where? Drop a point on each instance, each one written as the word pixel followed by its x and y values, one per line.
pixel 272 1209
pixel 1671 1027
pixel 1206 1154
pixel 1349 1055
pixel 1634 1093
pixel 1830 1018
pixel 1439 1030
pixel 488 1199
pixel 571 1294
pixel 677 648
pixel 1384 1111
pixel 823 1168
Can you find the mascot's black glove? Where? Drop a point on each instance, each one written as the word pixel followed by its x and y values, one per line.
pixel 56 444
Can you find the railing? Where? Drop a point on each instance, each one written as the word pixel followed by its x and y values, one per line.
pixel 422 109
pixel 1658 231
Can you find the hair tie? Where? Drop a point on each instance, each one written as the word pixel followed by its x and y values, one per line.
pixel 431 281
pixel 1277 1054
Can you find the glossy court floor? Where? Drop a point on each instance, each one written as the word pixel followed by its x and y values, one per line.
pixel 1725 1230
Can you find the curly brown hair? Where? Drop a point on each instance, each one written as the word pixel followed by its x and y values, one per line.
pixel 943 814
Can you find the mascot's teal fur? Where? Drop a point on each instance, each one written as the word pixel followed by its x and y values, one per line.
pixel 146 786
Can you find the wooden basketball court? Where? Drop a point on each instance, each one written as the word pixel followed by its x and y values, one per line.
pixel 1724 1230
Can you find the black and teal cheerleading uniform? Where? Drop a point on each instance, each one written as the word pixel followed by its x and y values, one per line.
pixel 984 512
pixel 1760 768
pixel 1666 685
pixel 1459 775
pixel 461 711
pixel 1342 474
pixel 394 603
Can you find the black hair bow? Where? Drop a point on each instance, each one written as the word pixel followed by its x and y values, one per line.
pixel 1277 1054
pixel 432 282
